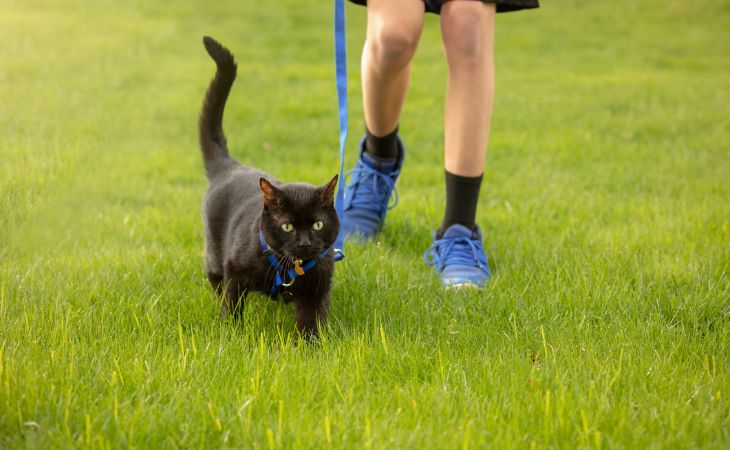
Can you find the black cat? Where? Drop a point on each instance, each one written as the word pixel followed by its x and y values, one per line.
pixel 261 234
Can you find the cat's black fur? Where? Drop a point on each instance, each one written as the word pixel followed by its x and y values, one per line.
pixel 242 200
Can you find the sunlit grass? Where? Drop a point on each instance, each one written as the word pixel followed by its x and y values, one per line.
pixel 605 211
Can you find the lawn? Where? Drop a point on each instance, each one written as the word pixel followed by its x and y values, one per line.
pixel 605 207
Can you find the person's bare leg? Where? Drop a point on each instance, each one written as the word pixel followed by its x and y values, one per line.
pixel 467 29
pixel 394 27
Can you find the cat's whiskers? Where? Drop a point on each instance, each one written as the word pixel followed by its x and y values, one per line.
pixel 279 260
pixel 285 266
pixel 289 263
pixel 268 269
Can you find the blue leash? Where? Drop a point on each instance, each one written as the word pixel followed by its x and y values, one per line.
pixel 341 78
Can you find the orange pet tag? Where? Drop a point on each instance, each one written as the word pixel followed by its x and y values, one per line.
pixel 298 267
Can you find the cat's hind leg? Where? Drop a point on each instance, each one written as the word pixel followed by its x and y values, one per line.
pixel 233 291
pixel 214 271
pixel 216 282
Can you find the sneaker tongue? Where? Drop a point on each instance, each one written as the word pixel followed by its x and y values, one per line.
pixel 381 165
pixel 456 231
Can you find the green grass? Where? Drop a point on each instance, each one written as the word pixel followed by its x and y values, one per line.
pixel 605 208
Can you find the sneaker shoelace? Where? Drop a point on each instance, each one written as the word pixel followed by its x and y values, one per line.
pixel 375 187
pixel 460 250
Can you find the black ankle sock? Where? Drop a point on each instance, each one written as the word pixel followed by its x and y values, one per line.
pixel 462 194
pixel 382 148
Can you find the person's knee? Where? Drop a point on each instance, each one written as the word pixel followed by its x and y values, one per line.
pixel 468 37
pixel 392 48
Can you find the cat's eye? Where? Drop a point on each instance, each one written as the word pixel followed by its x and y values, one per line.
pixel 287 227
pixel 317 225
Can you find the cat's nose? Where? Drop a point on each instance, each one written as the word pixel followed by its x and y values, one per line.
pixel 304 241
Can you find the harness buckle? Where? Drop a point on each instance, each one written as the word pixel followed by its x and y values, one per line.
pixel 339 254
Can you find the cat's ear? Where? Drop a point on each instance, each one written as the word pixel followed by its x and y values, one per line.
pixel 271 194
pixel 328 191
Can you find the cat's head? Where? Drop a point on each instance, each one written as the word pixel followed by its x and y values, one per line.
pixel 299 220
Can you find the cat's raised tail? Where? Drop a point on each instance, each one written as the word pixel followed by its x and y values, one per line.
pixel 212 138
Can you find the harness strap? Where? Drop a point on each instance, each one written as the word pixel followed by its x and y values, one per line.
pixel 291 274
pixel 341 81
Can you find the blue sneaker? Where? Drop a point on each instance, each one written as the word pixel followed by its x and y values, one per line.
pixel 368 193
pixel 459 257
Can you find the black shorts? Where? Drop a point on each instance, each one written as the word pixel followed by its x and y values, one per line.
pixel 434 6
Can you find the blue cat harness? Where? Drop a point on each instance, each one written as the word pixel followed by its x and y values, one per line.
pixel 281 273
